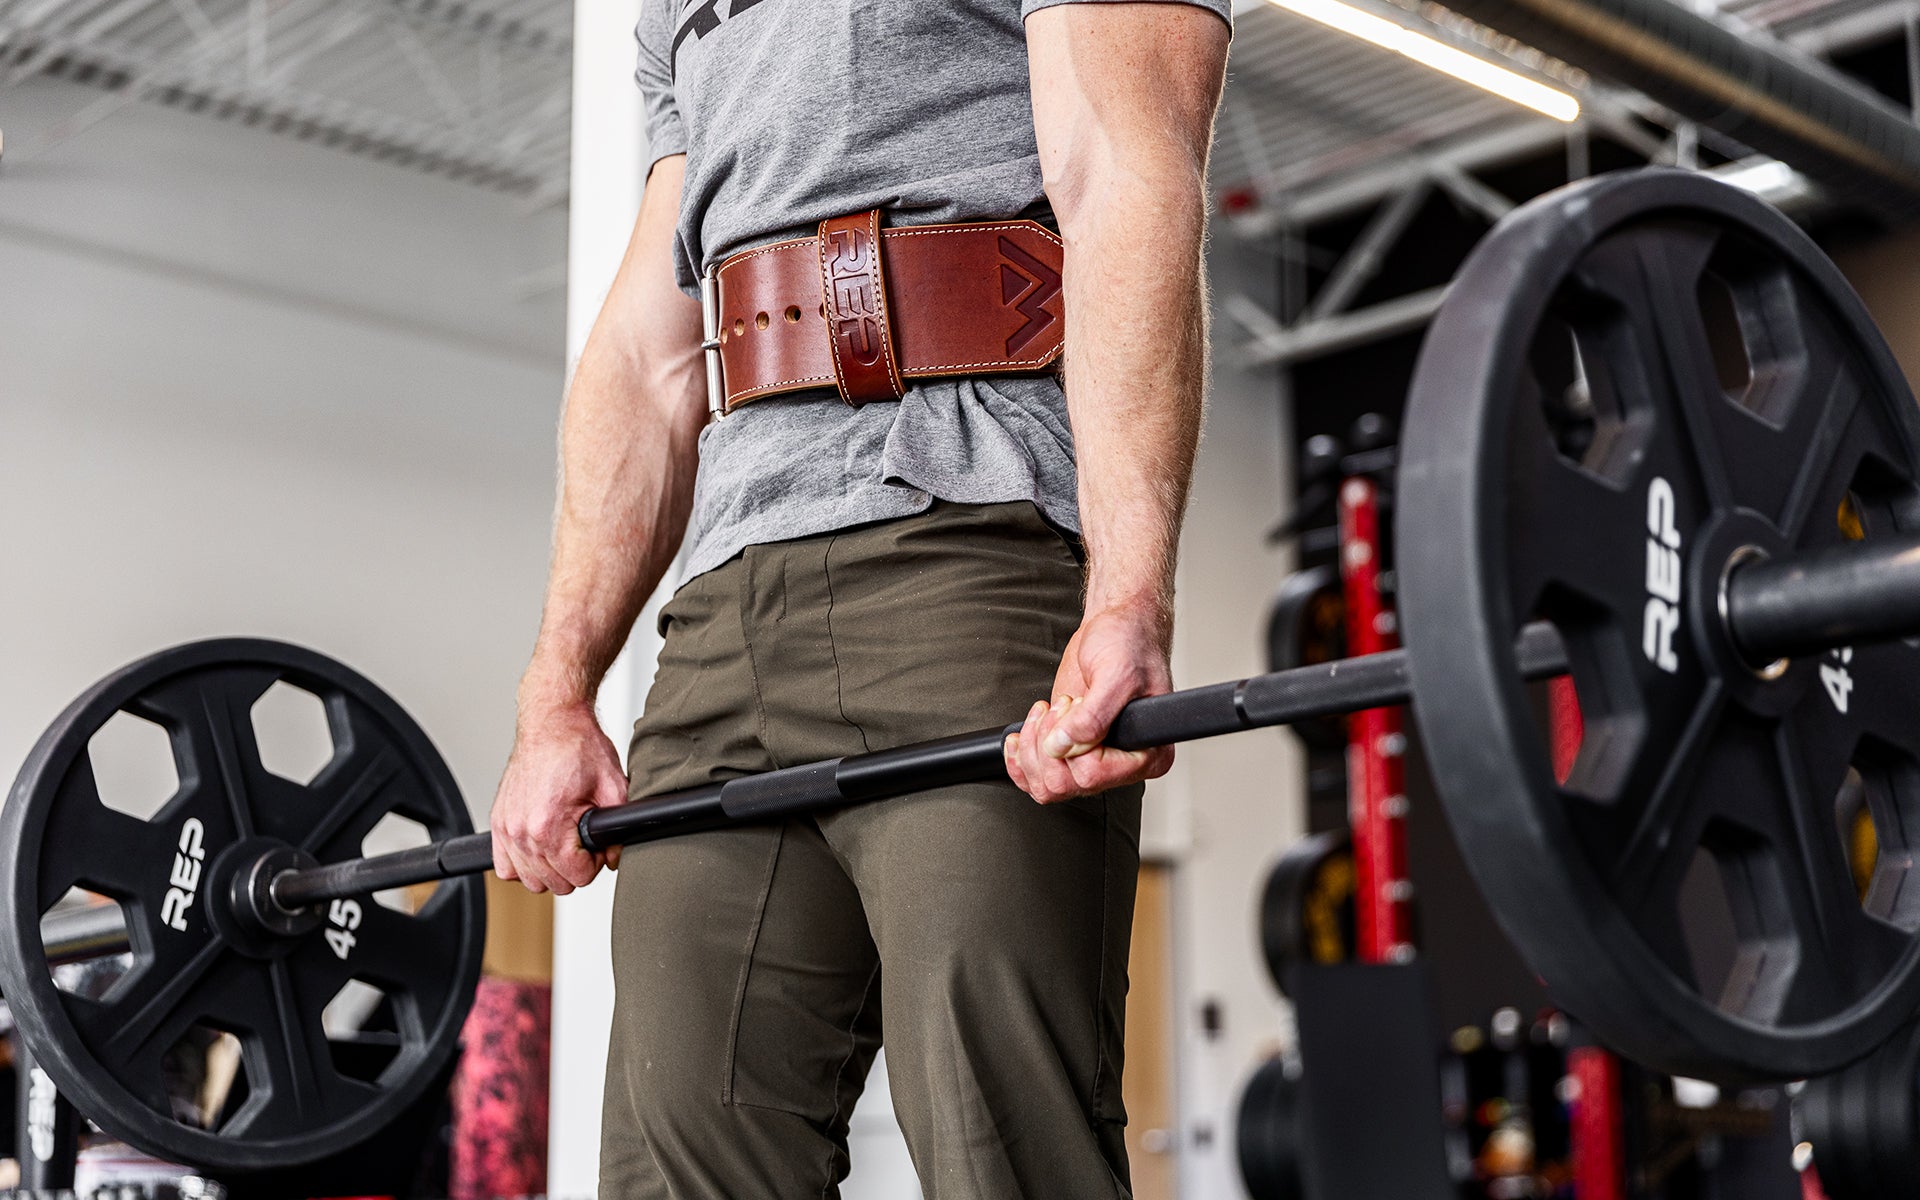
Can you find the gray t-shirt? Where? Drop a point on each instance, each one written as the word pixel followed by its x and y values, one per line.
pixel 792 111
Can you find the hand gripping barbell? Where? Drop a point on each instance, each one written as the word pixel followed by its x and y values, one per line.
pixel 1728 573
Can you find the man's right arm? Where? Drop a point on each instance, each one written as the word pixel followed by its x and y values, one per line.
pixel 628 452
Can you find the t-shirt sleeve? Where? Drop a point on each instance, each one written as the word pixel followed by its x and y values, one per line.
pixel 1220 8
pixel 666 133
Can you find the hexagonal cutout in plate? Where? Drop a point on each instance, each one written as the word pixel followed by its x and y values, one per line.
pixel 1737 927
pixel 1720 313
pixel 84 914
pixel 206 1077
pixel 291 732
pixel 1877 806
pixel 1859 836
pixel 1707 924
pixel 133 765
pixel 390 834
pixel 1590 721
pixel 1750 312
pixel 1589 372
pixel 362 1034
pixel 1879 500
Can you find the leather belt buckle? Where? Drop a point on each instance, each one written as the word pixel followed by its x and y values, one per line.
pixel 710 342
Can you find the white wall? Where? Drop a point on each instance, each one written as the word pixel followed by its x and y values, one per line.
pixel 249 386
pixel 606 182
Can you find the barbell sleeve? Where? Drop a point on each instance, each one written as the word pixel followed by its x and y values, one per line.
pixel 1823 599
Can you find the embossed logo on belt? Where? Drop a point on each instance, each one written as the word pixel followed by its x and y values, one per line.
pixel 1027 286
pixel 856 324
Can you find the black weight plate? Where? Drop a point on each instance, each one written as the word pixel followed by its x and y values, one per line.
pixel 1268 1134
pixel 114 1055
pixel 1864 1123
pixel 1306 909
pixel 1306 625
pixel 1581 442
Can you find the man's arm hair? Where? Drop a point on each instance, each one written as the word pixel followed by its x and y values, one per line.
pixel 1124 97
pixel 628 450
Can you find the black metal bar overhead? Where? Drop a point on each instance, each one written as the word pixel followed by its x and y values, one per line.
pixel 1742 83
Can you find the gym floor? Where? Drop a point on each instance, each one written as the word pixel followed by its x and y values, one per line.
pixel 261 382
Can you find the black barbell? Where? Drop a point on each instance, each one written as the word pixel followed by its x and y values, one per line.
pixel 1847 595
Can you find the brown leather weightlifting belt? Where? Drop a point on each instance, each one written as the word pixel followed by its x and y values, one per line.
pixel 864 310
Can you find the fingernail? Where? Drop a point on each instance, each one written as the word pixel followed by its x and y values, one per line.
pixel 1011 745
pixel 1058 744
pixel 1060 704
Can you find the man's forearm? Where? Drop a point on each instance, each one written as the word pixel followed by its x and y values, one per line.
pixel 1124 98
pixel 1136 370
pixel 628 451
pixel 627 470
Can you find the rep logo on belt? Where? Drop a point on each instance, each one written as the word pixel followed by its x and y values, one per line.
pixel 850 299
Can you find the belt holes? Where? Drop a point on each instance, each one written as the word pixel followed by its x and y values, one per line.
pixel 739 327
pixel 723 334
pixel 823 312
pixel 793 314
pixel 760 322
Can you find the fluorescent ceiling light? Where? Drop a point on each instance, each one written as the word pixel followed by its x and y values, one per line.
pixel 1762 177
pixel 1448 60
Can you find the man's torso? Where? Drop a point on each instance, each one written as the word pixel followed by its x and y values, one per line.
pixel 799 110
pixel 792 111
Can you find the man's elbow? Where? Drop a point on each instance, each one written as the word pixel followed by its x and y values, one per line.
pixel 1163 177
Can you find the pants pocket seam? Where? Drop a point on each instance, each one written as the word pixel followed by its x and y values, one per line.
pixel 746 971
pixel 840 1073
pixel 833 646
pixel 1100 1067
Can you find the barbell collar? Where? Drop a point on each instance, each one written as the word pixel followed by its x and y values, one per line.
pixel 1825 599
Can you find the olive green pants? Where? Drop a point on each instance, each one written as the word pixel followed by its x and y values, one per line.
pixel 982 936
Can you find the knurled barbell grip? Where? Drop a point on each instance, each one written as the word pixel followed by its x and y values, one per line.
pixel 1276 699
pixel 1280 698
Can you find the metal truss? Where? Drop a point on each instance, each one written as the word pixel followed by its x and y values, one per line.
pixel 1356 138
pixel 476 90
pixel 1321 321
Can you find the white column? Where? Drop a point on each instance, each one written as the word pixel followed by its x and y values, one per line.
pixel 1230 804
pixel 609 156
